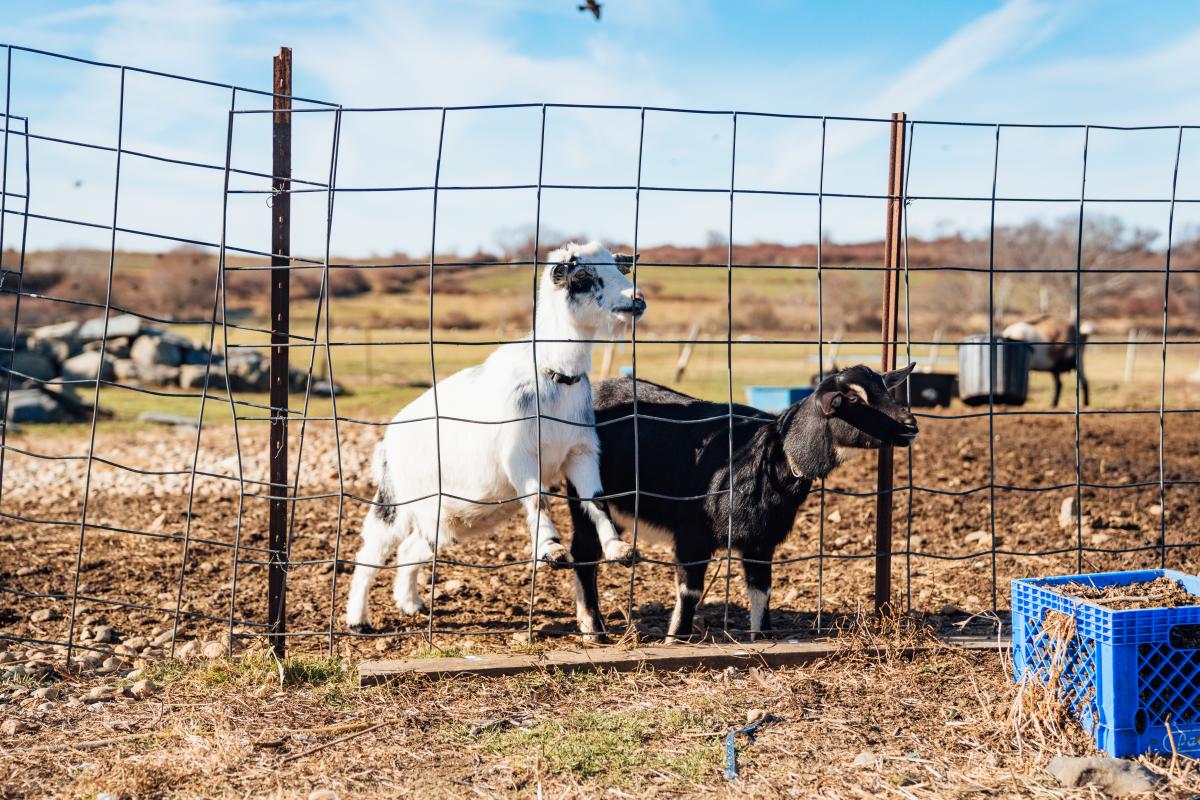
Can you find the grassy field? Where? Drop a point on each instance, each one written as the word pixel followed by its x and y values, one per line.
pixel 381 353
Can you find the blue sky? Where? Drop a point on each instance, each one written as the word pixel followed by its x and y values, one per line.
pixel 1016 61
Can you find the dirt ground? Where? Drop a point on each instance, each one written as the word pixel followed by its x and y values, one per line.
pixel 935 725
pixel 943 568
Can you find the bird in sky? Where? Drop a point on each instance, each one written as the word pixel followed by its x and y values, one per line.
pixel 592 6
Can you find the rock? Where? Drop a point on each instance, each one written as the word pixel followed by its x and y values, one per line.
pixel 162 638
pixel 322 794
pixel 249 371
pixel 1099 539
pixel 841 542
pixel 125 370
pixel 1066 513
pixel 197 355
pixel 61 330
pixel 213 650
pixel 104 634
pixel 521 637
pixel 135 674
pixel 191 376
pixel 117 347
pixel 327 389
pixel 34 364
pixel 84 367
pixel 187 649
pixel 753 715
pixel 47 693
pixel 136 643
pixel 453 586
pixel 866 759
pixel 101 693
pixel 153 351
pixel 1116 777
pixel 978 537
pixel 41 615
pixel 1156 510
pixel 142 689
pixel 973 602
pixel 11 727
pixel 121 325
pixel 834 516
pixel 32 406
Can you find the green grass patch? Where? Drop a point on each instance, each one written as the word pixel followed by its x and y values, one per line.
pixel 431 651
pixel 613 748
pixel 331 676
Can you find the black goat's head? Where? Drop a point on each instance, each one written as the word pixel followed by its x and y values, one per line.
pixel 861 411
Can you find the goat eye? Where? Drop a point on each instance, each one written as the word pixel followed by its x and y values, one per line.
pixel 853 398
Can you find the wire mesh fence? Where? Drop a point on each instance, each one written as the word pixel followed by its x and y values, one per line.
pixel 241 523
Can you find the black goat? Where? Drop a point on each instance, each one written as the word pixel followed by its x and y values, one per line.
pixel 684 465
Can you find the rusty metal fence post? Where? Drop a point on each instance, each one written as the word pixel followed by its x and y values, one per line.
pixel 890 314
pixel 281 229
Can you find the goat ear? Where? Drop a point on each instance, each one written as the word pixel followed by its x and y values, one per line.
pixel 830 401
pixel 558 274
pixel 897 376
pixel 624 262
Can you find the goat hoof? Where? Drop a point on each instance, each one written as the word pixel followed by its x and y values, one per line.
pixel 619 551
pixel 555 555
pixel 412 608
pixel 362 628
pixel 597 638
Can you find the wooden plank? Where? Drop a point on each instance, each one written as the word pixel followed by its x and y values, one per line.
pixel 663 657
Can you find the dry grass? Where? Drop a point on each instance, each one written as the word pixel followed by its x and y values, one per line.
pixel 1161 592
pixel 936 724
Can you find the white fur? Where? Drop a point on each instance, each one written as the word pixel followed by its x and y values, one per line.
pixel 490 471
pixel 1039 352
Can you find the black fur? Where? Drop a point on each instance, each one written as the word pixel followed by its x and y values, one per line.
pixel 385 507
pixel 685 454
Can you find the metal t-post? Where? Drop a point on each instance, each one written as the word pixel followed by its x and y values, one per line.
pixel 281 248
pixel 890 315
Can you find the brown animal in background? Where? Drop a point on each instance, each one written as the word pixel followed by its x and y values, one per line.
pixel 1052 348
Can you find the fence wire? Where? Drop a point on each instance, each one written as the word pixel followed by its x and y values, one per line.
pixel 239 485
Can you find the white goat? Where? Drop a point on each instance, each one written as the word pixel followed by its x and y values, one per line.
pixel 489 466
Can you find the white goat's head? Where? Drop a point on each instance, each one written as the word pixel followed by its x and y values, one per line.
pixel 591 283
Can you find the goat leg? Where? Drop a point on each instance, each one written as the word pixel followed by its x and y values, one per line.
pixel 757 571
pixel 585 552
pixel 689 584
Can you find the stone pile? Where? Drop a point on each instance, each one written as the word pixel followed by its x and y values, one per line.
pixel 50 363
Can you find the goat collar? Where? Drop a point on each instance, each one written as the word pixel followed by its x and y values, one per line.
pixel 559 377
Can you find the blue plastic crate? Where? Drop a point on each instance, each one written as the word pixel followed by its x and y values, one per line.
pixel 1127 674
pixel 776 398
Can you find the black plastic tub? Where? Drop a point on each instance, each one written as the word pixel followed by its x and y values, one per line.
pixel 930 389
